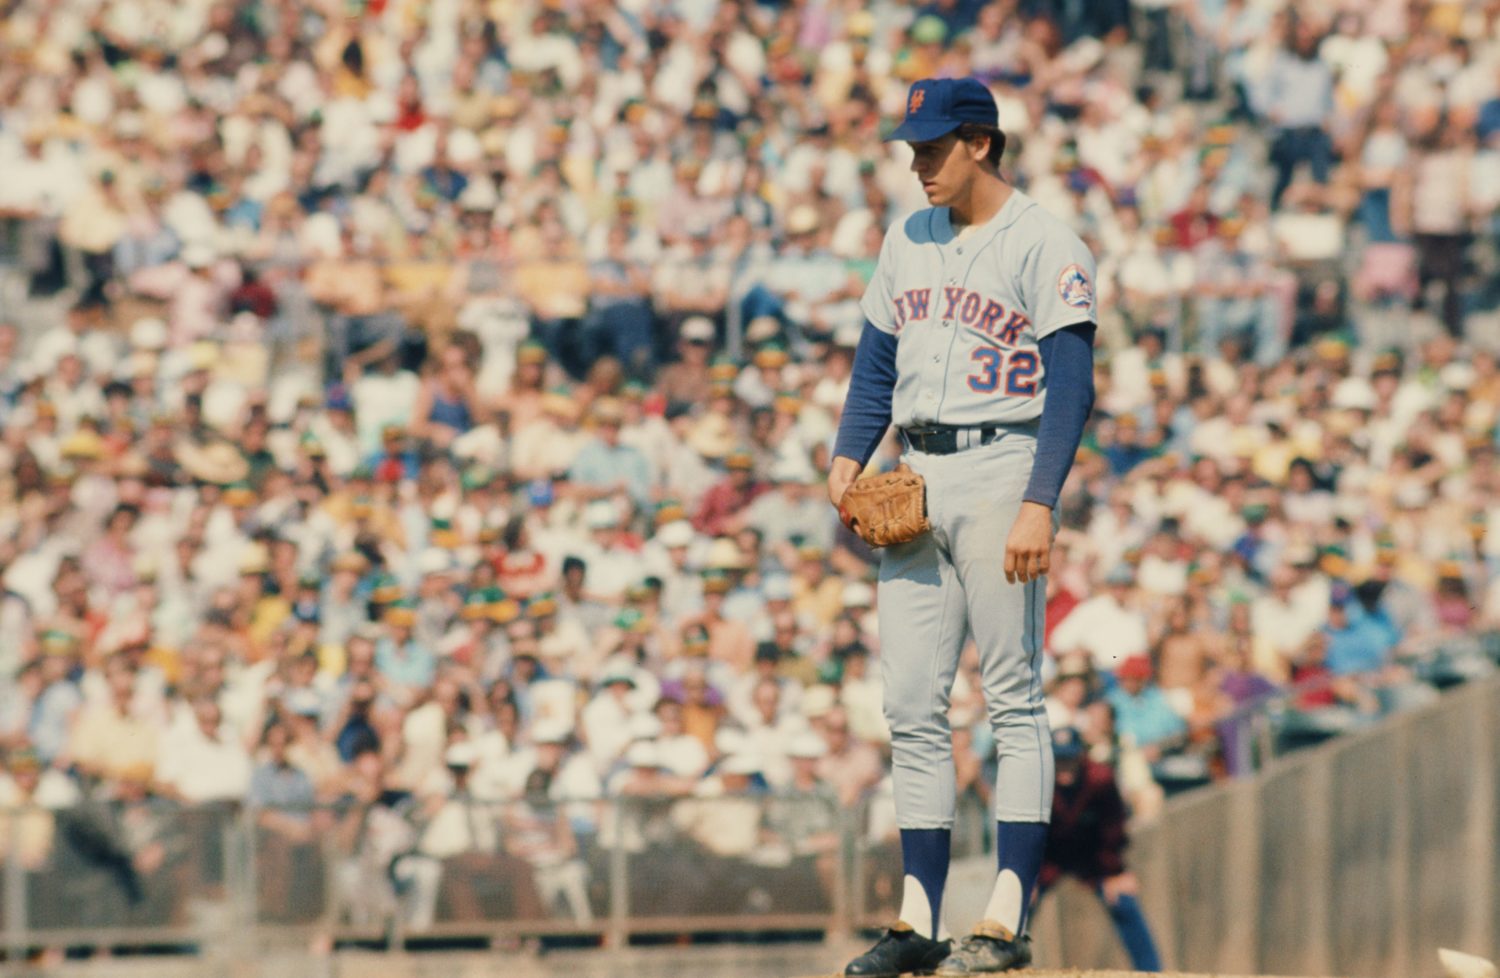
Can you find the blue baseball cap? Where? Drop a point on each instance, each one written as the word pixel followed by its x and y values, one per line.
pixel 1067 744
pixel 539 493
pixel 937 106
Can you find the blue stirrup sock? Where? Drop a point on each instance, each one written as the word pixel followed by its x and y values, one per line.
pixel 1019 847
pixel 925 854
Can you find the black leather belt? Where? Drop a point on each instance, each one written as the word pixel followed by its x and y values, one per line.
pixel 944 439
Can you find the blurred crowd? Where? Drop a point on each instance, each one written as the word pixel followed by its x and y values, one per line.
pixel 431 401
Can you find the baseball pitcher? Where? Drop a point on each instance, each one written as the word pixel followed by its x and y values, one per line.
pixel 978 347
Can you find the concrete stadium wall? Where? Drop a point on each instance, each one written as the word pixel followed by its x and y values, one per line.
pixel 1360 858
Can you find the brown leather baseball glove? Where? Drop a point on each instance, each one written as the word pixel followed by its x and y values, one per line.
pixel 886 509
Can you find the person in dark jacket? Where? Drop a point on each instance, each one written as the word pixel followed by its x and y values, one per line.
pixel 1087 841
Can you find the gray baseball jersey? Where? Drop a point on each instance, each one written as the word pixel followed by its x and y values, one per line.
pixel 969 310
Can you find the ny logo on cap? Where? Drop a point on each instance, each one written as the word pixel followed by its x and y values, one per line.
pixel 915 103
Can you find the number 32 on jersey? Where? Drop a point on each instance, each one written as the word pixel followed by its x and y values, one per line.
pixel 1015 369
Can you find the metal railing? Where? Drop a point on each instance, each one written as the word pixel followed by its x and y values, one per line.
pixel 1226 868
pixel 155 873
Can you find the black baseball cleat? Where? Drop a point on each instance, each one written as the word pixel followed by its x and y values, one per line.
pixel 991 948
pixel 902 951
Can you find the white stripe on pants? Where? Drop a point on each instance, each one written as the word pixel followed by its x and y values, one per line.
pixel 936 591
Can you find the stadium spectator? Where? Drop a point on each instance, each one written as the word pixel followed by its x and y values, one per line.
pixel 1358 642
pixel 1105 626
pixel 203 762
pixel 284 800
pixel 466 838
pixel 1142 711
pixel 851 766
pixel 1298 101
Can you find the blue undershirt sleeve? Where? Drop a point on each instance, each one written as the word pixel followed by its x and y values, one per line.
pixel 1068 362
pixel 867 408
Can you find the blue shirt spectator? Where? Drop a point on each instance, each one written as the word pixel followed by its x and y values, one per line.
pixel 1299 91
pixel 1357 640
pixel 399 657
pixel 1142 712
pixel 1489 120
pixel 52 716
pixel 604 465
pixel 278 783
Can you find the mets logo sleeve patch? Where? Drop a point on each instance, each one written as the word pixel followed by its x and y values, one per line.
pixel 1074 287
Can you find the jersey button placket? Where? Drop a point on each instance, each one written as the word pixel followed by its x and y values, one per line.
pixel 934 337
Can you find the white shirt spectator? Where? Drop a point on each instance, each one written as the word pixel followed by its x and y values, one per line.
pixel 1104 629
pixel 555 700
pixel 1158 575
pixel 462 824
pixel 382 399
pixel 54 790
pixel 772 743
pixel 606 725
pixel 682 755
pixel 1286 625
pixel 203 769
pixel 741 698
pixel 864 701
pixel 1358 60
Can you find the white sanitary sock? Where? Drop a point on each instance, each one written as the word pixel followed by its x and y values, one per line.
pixel 917 911
pixel 1005 902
